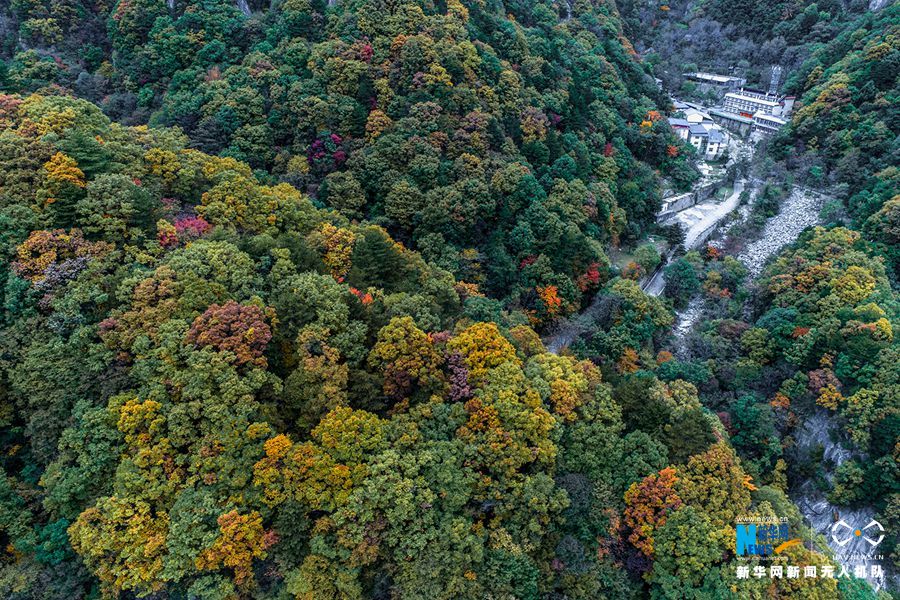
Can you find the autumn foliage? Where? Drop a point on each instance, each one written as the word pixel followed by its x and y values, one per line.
pixel 647 504
pixel 236 328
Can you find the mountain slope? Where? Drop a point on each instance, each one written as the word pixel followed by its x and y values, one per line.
pixel 508 142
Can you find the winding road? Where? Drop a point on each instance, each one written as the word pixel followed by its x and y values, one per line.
pixel 698 221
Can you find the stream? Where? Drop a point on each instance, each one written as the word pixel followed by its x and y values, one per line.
pixel 699 221
pixel 798 211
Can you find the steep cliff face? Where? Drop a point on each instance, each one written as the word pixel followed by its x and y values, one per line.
pixel 820 434
pixel 840 462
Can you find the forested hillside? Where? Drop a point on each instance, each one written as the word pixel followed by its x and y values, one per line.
pixel 273 277
pixel 821 332
pixel 847 134
pixel 830 307
pixel 213 389
pixel 508 144
pixel 725 36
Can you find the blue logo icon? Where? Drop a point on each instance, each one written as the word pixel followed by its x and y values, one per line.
pixel 761 539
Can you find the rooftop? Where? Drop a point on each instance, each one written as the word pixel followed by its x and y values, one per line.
pixel 731 116
pixel 693 112
pixel 770 118
pixel 754 99
pixel 712 77
pixel 698 130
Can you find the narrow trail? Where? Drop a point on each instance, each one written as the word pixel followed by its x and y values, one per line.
pixel 568 330
pixel 699 221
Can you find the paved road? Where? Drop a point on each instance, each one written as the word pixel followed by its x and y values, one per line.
pixel 655 286
pixel 698 222
pixel 699 219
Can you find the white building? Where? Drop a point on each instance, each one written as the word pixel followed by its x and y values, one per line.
pixel 755 110
pixel 749 104
pixel 708 139
pixel 693 116
pixel 697 128
pixel 680 126
pixel 714 79
pixel 716 143
pixel 787 106
pixel 697 137
pixel 767 123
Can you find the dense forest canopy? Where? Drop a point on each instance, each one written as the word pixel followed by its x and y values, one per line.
pixel 273 278
pixel 847 134
pixel 442 123
pixel 227 393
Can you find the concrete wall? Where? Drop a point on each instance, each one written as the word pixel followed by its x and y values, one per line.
pixel 731 125
pixel 673 204
pixel 704 193
pixel 679 202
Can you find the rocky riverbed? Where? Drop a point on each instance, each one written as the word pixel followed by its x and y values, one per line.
pixel 684 323
pixel 798 211
pixel 818 430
